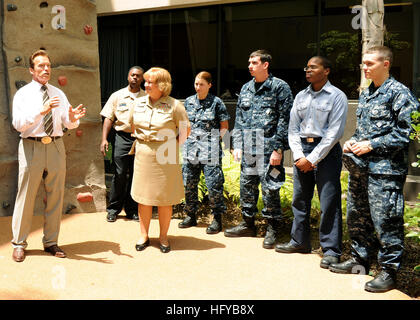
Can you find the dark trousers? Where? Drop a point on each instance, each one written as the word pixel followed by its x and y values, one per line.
pixel 119 196
pixel 326 177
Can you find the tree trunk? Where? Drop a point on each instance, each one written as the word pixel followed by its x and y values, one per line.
pixel 372 30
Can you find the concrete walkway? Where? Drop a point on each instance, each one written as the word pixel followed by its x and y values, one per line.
pixel 102 263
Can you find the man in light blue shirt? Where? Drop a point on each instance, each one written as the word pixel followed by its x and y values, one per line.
pixel 317 122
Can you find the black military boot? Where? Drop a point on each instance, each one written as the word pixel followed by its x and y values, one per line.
pixel 383 282
pixel 216 225
pixel 271 233
pixel 188 222
pixel 245 229
pixel 352 266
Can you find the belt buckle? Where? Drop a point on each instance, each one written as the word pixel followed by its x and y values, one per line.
pixel 310 140
pixel 46 140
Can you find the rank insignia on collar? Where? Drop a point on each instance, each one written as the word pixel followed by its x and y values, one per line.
pixel 165 106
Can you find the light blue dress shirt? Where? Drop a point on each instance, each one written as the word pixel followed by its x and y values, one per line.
pixel 321 114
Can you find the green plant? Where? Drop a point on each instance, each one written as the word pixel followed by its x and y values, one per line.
pixel 412 215
pixel 412 221
pixel 415 134
pixel 232 173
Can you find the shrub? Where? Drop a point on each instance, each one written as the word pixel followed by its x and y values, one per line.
pixel 412 214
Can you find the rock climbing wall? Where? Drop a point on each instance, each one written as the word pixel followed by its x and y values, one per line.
pixel 67 30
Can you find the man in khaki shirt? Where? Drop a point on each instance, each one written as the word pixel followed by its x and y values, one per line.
pixel 116 113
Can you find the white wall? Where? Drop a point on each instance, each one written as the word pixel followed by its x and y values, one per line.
pixel 109 7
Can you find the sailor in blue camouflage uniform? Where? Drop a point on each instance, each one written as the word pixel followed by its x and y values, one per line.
pixel 377 159
pixel 259 140
pixel 203 153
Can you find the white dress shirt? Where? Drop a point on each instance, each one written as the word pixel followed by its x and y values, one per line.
pixel 319 114
pixel 27 106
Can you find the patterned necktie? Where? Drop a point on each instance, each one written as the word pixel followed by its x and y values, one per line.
pixel 48 121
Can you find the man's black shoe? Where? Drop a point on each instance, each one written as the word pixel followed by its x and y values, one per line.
pixel 383 282
pixel 133 216
pixel 188 222
pixel 270 235
pixel 111 217
pixel 326 261
pixel 215 226
pixel 291 248
pixel 241 230
pixel 351 266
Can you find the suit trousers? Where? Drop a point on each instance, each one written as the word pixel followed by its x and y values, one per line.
pixel 326 177
pixel 37 162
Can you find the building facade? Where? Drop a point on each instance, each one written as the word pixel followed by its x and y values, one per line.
pixel 187 37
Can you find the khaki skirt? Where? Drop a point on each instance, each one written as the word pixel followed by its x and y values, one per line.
pixel 157 183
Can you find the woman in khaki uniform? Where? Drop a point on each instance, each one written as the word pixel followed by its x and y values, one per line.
pixel 160 124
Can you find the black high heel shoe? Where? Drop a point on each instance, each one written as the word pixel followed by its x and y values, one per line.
pixel 164 249
pixel 142 246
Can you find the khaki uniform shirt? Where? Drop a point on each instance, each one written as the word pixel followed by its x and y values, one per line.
pixel 119 107
pixel 159 121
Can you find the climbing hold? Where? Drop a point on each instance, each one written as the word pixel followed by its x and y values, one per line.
pixel 69 208
pixel 20 83
pixel 79 133
pixel 88 29
pixel 85 197
pixel 62 80
pixel 6 204
pixel 18 59
pixel 11 7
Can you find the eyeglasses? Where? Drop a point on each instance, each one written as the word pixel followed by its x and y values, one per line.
pixel 310 68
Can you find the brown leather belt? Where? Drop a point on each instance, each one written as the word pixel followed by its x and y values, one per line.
pixel 44 140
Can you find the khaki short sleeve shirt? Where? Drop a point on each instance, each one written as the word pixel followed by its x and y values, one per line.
pixel 119 107
pixel 159 121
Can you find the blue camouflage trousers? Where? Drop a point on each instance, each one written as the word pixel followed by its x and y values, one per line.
pixel 253 173
pixel 214 178
pixel 375 210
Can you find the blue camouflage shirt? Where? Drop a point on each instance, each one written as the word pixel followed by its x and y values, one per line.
pixel 203 144
pixel 384 118
pixel 262 117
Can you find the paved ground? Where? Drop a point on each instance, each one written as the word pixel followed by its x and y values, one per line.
pixel 102 263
